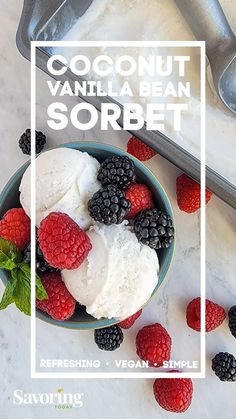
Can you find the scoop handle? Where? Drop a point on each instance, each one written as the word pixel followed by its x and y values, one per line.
pixel 207 20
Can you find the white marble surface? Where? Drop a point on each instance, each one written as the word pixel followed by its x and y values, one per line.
pixel 114 398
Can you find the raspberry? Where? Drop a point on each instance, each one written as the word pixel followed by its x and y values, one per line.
pixel 153 344
pixel 139 149
pixel 140 198
pixel 127 323
pixel 63 243
pixel 15 227
pixel 60 305
pixel 173 394
pixel 215 315
pixel 188 194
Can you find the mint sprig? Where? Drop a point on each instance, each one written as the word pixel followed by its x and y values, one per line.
pixel 7 297
pixel 18 286
pixel 10 256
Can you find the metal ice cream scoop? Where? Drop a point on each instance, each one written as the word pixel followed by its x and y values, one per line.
pixel 208 23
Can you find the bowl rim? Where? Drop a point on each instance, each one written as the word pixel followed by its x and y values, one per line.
pixel 84 146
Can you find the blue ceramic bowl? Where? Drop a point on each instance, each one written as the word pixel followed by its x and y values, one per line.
pixel 9 198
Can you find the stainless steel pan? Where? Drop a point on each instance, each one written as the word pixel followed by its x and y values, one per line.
pixel 51 20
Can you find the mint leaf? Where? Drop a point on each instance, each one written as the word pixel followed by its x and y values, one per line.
pixel 41 293
pixel 18 288
pixel 21 292
pixel 10 256
pixel 8 297
pixel 25 268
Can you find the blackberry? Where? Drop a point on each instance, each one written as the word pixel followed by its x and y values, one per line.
pixel 224 366
pixel 109 338
pixel 42 265
pixel 232 320
pixel 154 228
pixel 109 205
pixel 117 170
pixel 25 142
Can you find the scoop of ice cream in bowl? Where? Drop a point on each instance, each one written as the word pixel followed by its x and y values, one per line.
pixel 128 257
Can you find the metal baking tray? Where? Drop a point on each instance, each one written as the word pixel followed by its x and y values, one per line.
pixel 44 20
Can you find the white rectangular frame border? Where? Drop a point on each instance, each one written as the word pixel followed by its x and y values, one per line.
pixel 34 373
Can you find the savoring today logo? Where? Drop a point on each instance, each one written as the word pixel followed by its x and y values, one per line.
pixel 59 399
